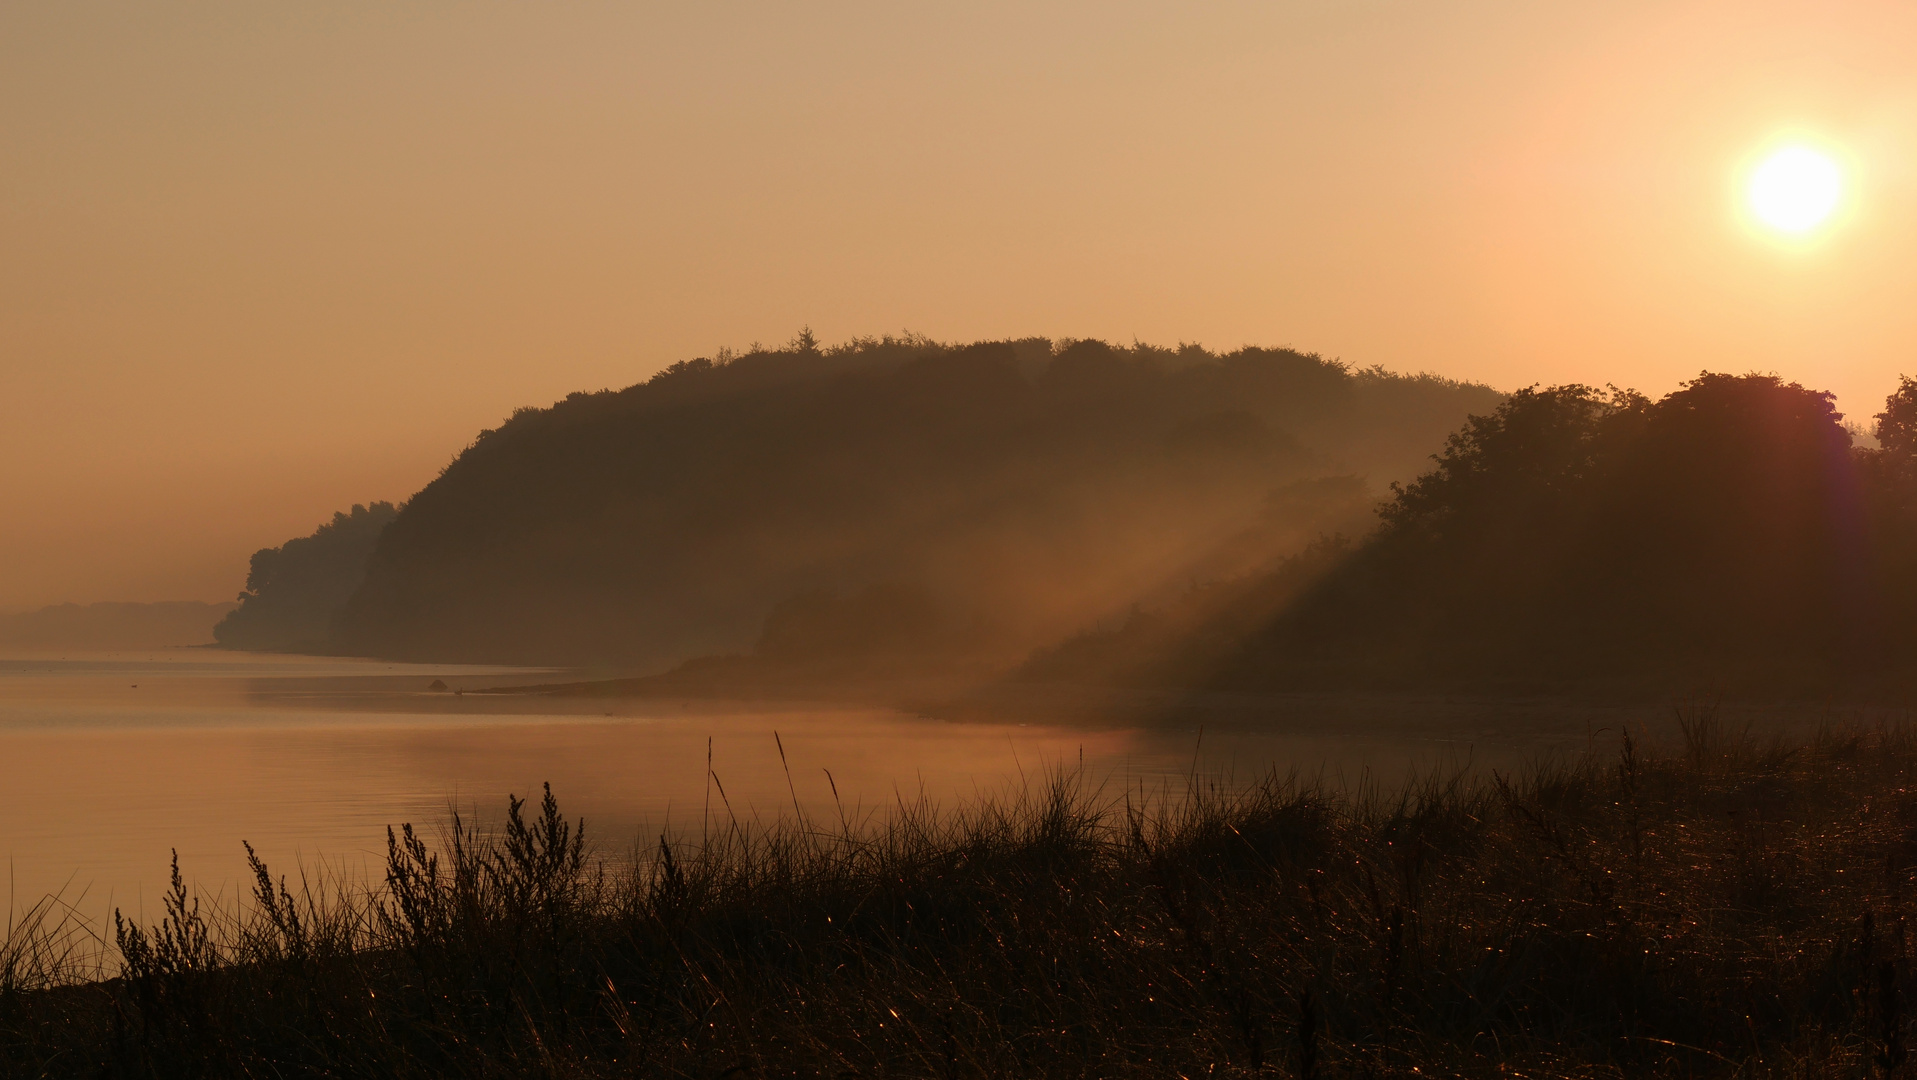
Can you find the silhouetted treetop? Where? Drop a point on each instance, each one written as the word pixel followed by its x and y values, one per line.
pixel 1534 453
pixel 1896 427
pixel 1729 531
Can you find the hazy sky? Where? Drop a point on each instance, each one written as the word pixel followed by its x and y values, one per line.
pixel 259 261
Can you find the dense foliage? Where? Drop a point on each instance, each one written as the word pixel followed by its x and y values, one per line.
pixel 1729 537
pixel 1011 490
pixel 1724 532
pixel 295 592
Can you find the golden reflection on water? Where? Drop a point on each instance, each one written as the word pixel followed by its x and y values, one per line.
pixel 109 763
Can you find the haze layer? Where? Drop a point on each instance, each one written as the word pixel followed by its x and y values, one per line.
pixel 262 262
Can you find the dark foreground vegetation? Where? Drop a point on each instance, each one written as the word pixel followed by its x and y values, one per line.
pixel 1723 909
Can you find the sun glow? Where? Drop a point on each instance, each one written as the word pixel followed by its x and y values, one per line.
pixel 1795 189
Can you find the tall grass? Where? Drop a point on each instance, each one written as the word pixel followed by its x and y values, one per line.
pixel 1717 908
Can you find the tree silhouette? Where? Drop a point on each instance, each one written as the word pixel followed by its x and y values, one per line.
pixel 294 592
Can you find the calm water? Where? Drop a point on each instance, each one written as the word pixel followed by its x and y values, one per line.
pixel 110 762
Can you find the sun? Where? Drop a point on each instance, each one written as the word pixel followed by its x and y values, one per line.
pixel 1795 189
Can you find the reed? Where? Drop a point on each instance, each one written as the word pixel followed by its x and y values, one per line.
pixel 1719 907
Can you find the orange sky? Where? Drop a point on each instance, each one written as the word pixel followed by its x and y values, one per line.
pixel 260 261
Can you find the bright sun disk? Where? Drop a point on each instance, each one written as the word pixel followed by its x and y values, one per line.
pixel 1795 189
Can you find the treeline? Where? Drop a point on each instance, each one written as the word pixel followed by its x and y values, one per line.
pixel 295 592
pixel 1729 536
pixel 819 519
pixel 964 503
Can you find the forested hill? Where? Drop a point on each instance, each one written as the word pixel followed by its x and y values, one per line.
pixel 294 592
pixel 995 495
pixel 1728 538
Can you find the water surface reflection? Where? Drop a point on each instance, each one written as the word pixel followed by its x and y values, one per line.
pixel 112 761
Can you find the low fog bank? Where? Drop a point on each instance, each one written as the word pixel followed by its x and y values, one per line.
pixel 883 511
pixel 108 627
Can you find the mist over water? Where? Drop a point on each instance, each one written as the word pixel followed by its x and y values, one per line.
pixel 113 760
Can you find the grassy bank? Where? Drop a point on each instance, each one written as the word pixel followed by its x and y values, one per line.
pixel 1709 908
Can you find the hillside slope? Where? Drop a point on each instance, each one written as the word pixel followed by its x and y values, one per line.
pixel 294 592
pixel 1003 493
